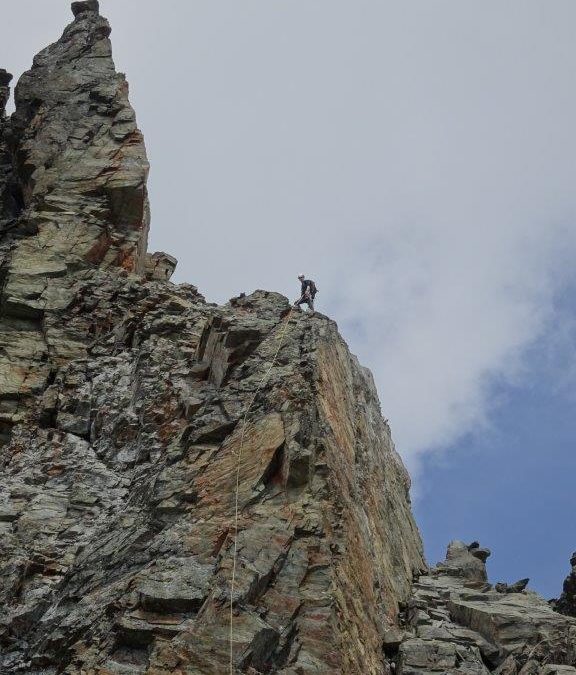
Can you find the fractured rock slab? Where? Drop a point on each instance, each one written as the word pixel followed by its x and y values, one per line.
pixel 473 627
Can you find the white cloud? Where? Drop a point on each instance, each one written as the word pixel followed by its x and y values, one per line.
pixel 446 317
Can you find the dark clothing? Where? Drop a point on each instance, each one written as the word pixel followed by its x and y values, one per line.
pixel 308 292
pixel 308 285
pixel 306 300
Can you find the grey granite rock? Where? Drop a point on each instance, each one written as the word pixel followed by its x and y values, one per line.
pixel 502 631
pixel 85 6
pixel 125 488
pixel 160 266
pixel 73 173
pixel 516 587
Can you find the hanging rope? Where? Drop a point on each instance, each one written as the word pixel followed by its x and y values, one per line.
pixel 237 488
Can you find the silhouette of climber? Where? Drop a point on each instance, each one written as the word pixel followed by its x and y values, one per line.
pixel 307 293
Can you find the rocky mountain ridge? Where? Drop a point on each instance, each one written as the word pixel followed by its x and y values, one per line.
pixel 122 404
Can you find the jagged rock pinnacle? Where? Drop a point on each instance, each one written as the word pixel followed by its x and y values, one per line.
pixel 85 6
pixel 5 77
pixel 73 197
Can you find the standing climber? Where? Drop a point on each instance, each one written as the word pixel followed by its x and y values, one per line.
pixel 307 293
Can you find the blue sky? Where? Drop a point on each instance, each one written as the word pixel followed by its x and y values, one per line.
pixel 511 485
pixel 417 160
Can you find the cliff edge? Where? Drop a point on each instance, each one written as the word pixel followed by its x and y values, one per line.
pixel 121 411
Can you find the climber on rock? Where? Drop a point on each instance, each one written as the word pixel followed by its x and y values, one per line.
pixel 307 293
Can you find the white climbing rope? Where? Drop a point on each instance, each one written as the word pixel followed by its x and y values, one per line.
pixel 237 488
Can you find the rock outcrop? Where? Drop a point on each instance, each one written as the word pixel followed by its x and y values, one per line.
pixel 122 406
pixel 150 440
pixel 73 175
pixel 566 603
pixel 456 622
pixel 118 500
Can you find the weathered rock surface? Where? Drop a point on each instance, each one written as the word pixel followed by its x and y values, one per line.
pixel 73 175
pixel 122 399
pixel 117 497
pixel 456 622
pixel 123 445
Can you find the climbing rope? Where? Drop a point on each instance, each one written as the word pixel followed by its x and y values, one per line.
pixel 237 488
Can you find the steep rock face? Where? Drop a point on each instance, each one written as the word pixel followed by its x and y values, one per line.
pixel 73 174
pixel 118 507
pixel 456 622
pixel 126 446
